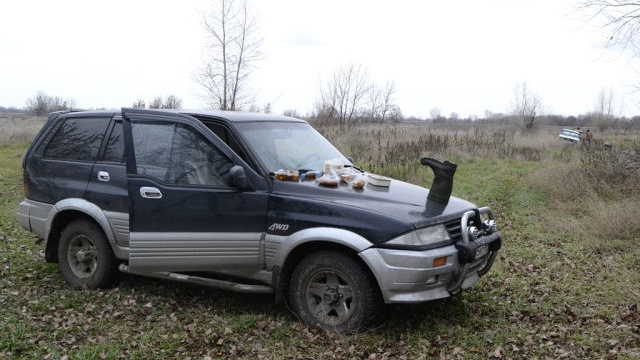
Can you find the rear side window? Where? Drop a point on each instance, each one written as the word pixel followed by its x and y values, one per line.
pixel 77 139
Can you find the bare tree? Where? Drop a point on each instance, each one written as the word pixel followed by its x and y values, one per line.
pixel 291 112
pixel 435 113
pixel 395 113
pixel 605 103
pixel 381 101
pixel 42 104
pixel 526 106
pixel 139 104
pixel 343 94
pixel 172 102
pixel 234 49
pixel 604 112
pixel 621 20
pixel 37 104
pixel 156 103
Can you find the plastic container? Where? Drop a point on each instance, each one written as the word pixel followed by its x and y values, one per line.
pixel 287 175
pixel 378 180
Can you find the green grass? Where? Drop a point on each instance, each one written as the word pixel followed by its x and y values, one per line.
pixel 551 294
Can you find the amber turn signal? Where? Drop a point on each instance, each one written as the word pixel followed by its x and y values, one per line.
pixel 440 261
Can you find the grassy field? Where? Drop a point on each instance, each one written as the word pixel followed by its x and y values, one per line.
pixel 566 283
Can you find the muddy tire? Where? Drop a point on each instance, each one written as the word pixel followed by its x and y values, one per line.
pixel 85 256
pixel 335 292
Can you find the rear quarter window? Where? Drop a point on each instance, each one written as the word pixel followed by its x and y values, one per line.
pixel 77 139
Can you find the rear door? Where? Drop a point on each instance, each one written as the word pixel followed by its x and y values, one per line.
pixel 107 186
pixel 184 214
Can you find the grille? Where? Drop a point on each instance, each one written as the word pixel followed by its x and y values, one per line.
pixel 454 228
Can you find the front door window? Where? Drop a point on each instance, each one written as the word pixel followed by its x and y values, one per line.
pixel 176 154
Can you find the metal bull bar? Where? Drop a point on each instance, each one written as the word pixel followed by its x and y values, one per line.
pixel 486 241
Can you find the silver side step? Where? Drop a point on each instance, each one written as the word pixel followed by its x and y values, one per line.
pixel 203 281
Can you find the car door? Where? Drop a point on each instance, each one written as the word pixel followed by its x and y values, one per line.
pixel 107 186
pixel 184 214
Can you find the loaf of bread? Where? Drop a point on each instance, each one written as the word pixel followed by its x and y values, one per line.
pixel 328 180
pixel 358 183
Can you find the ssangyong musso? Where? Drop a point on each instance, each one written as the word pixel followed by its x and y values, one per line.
pixel 247 202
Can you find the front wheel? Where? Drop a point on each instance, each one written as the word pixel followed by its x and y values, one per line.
pixel 335 292
pixel 85 256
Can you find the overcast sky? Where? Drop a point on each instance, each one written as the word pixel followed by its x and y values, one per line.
pixel 462 56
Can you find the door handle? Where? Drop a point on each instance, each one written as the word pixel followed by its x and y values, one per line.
pixel 103 176
pixel 150 192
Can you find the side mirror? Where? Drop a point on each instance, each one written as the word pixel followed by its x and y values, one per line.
pixel 238 178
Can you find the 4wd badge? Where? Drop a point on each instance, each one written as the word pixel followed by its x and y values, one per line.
pixel 278 228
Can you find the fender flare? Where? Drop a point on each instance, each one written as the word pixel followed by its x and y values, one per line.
pixel 92 211
pixel 284 245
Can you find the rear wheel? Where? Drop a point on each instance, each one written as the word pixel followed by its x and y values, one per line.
pixel 85 256
pixel 335 292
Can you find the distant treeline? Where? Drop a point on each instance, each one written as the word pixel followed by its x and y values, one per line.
pixel 595 120
pixel 589 119
pixel 13 110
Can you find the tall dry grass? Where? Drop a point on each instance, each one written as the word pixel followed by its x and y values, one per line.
pixel 597 196
pixel 384 142
pixel 394 149
pixel 19 128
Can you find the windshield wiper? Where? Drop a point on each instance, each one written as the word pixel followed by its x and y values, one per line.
pixel 354 167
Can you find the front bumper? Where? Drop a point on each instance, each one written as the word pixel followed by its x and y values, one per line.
pixel 409 276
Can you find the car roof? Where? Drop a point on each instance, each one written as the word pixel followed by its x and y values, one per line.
pixel 237 116
pixel 231 116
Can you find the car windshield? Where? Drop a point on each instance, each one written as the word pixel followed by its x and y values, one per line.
pixel 289 145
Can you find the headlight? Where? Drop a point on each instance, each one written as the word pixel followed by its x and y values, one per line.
pixel 421 237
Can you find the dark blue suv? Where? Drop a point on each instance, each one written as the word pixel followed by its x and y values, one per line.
pixel 251 203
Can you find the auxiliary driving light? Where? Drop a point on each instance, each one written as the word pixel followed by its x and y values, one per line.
pixel 474 232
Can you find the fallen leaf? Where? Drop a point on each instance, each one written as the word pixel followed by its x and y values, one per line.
pixel 498 352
